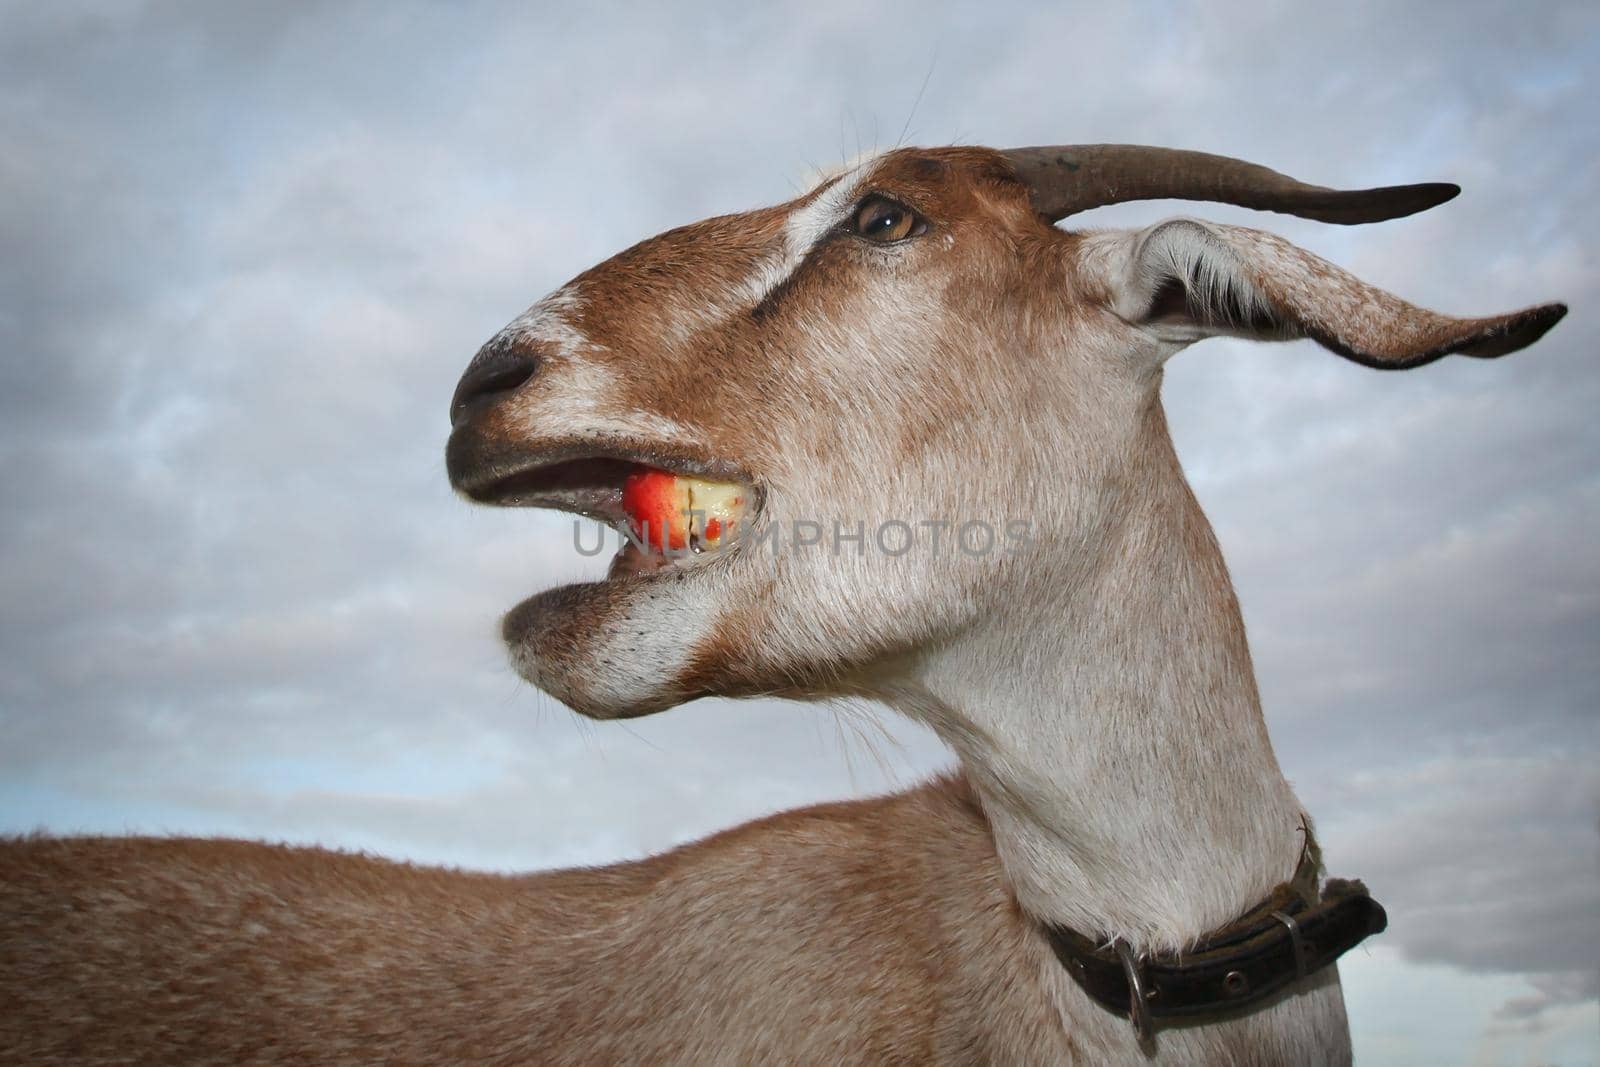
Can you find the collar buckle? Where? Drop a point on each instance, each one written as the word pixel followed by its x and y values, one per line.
pixel 1297 931
pixel 1139 996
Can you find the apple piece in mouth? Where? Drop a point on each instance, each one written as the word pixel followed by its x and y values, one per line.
pixel 656 504
pixel 672 512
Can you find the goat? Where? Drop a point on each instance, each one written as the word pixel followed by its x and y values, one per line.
pixel 913 346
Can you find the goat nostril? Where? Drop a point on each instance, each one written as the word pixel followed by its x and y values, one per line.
pixel 499 372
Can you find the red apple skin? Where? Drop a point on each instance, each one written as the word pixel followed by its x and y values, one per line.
pixel 655 505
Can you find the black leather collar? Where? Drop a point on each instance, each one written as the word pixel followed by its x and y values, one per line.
pixel 1293 933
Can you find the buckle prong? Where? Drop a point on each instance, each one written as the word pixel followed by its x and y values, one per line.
pixel 1138 1002
pixel 1301 964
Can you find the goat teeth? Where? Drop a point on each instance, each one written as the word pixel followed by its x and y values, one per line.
pixel 669 512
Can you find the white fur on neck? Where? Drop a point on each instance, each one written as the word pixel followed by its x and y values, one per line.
pixel 1108 715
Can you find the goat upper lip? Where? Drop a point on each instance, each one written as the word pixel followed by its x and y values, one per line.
pixel 579 475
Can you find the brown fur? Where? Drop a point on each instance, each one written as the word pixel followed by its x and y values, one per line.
pixel 728 950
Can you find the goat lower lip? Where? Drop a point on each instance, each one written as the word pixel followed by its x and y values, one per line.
pixel 631 561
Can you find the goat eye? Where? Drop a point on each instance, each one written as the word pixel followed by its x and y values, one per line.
pixel 881 219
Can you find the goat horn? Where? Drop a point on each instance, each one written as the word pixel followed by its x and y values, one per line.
pixel 1063 180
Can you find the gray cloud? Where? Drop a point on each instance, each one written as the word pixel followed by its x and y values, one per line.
pixel 1487 861
pixel 249 250
pixel 1551 992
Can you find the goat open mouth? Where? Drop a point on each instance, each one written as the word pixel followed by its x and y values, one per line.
pixel 669 516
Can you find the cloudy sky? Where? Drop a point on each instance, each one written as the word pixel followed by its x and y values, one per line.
pixel 247 252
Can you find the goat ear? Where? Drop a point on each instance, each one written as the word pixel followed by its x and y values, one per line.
pixel 1184 280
